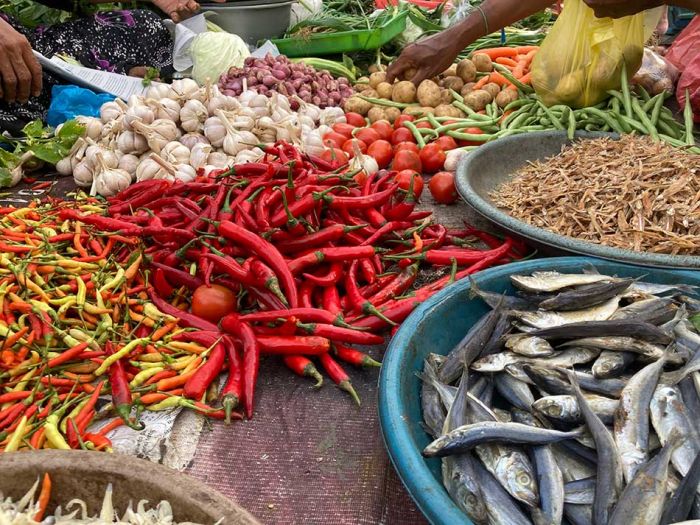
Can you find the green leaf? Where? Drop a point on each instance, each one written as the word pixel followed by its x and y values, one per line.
pixel 5 177
pixel 71 130
pixel 8 159
pixel 695 319
pixel 50 152
pixel 34 129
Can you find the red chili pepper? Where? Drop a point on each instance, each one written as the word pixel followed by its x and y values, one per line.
pixel 353 356
pixel 179 277
pixel 306 291
pixel 232 393
pixel 135 190
pixel 302 366
pixel 161 284
pixel 232 268
pixel 186 318
pixel 368 272
pixel 331 300
pixel 334 274
pixel 338 333
pixel 360 202
pixel 251 356
pixel 397 286
pixel 14 396
pixel 322 237
pixel 121 394
pixel 296 209
pixel 196 386
pixel 309 315
pixel 339 254
pixel 293 344
pixel 338 375
pixel 357 301
pixel 266 277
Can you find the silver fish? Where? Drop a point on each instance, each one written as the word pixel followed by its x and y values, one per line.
pixel 529 346
pixel 609 328
pixel 620 344
pixel 495 342
pixel 579 514
pixel 446 392
pixel 586 295
pixel 691 400
pixel 655 310
pixel 500 506
pixel 572 466
pixel 641 503
pixel 611 363
pixel 553 281
pixel 609 480
pixel 515 392
pixel 433 411
pixel 468 436
pixel 631 427
pixel 668 416
pixel 565 407
pixel 542 319
pixel 564 359
pixel 640 287
pixel 687 336
pixel 580 491
pixel 495 362
pixel 554 381
pixel 681 503
pixel 509 302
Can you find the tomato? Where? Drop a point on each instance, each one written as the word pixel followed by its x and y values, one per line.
pixel 367 135
pixel 407 160
pixel 213 302
pixel 424 125
pixel 398 123
pixel 345 130
pixel 335 156
pixel 446 143
pixel 442 187
pixel 347 147
pixel 404 179
pixel 382 152
pixel 471 131
pixel 355 119
pixel 334 140
pixel 432 158
pixel 383 128
pixel 402 135
pixel 410 146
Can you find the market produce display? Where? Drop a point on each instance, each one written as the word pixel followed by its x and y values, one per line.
pixel 633 193
pixel 573 399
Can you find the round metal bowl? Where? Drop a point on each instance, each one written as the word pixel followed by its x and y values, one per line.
pixel 436 326
pixel 85 475
pixel 253 21
pixel 494 163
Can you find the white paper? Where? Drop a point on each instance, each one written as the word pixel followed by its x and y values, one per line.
pixel 121 86
pixel 263 50
pixel 184 35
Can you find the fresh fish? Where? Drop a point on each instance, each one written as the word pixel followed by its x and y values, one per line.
pixel 579 514
pixel 611 363
pixel 462 482
pixel 641 503
pixel 582 452
pixel 554 281
pixel 508 302
pixel 573 467
pixel 431 404
pixel 525 344
pixel 686 335
pixel 691 400
pixel 609 480
pixel 554 381
pixel 681 503
pixel 501 508
pixel 655 310
pixel 495 342
pixel 515 392
pixel 565 407
pixel 620 344
pixel 469 347
pixel 620 328
pixel 586 295
pixel 502 415
pixel 692 304
pixel 669 416
pixel 542 319
pixel 564 359
pixel 468 436
pixel 675 377
pixel 446 392
pixel 495 362
pixel 549 477
pixel 580 492
pixel 643 288
pixel 631 427
pixel 482 387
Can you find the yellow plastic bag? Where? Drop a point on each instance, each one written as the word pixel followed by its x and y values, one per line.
pixel 582 57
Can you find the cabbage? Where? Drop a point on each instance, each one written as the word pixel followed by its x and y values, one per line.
pixel 214 53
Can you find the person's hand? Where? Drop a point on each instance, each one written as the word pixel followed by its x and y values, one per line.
pixel 428 58
pixel 178 10
pixel 620 8
pixel 20 72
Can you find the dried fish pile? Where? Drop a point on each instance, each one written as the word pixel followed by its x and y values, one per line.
pixel 575 401
pixel 633 193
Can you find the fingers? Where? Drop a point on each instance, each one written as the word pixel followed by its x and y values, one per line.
pixel 24 79
pixel 9 80
pixel 422 74
pixel 35 70
pixel 396 68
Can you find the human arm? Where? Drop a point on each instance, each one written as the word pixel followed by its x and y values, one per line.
pixel 20 72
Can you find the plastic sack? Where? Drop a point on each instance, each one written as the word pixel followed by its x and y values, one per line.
pixel 68 102
pixel 214 53
pixel 685 54
pixel 583 56
pixel 656 74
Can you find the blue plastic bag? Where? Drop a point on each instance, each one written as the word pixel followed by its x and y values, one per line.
pixel 67 102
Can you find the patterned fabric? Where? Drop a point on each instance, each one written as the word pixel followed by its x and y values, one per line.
pixel 113 41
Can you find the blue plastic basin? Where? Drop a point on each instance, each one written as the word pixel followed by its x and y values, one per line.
pixel 436 326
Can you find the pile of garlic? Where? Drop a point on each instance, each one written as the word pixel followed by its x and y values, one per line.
pixel 177 129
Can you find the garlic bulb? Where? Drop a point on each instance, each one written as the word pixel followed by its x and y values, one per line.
pixel 361 162
pixel 111 181
pixel 111 111
pixel 185 173
pixel 150 169
pixel 192 115
pixel 82 174
pixel 168 109
pixel 210 168
pixel 93 126
pixel 175 152
pixel 139 112
pixel 192 139
pixel 453 159
pixel 215 131
pixel 218 159
pixel 249 155
pixel 129 163
pixel 109 158
pixel 157 134
pixel 64 166
pixel 184 88
pixel 130 142
pixel 332 115
pixel 112 128
pixel 245 97
pixel 157 91
pixel 199 155
pixel 313 142
pixel 222 102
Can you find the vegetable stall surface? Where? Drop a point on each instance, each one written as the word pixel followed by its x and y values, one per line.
pixel 631 193
pixel 577 399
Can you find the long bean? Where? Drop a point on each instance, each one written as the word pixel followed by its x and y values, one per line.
pixel 626 96
pixel 656 110
pixel 688 117
pixel 644 119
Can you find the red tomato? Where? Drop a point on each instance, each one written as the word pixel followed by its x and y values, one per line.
pixel 355 119
pixel 383 128
pixel 398 123
pixel 344 129
pixel 471 131
pixel 424 125
pixel 410 146
pixel 367 135
pixel 382 152
pixel 442 187
pixel 407 160
pixel 432 158
pixel 213 302
pixel 335 156
pixel 347 147
pixel 404 179
pixel 446 143
pixel 402 135
pixel 334 140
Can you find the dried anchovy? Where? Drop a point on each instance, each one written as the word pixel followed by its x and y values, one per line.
pixel 631 193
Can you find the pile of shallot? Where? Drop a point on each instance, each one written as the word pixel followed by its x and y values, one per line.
pixel 271 75
pixel 178 129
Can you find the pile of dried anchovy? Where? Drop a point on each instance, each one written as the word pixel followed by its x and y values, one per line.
pixel 631 193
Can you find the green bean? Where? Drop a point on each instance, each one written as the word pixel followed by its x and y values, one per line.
pixel 626 97
pixel 650 103
pixel 385 102
pixel 433 122
pixel 463 125
pixel 456 96
pixel 616 112
pixel 607 118
pixel 558 125
pixel 571 128
pixel 637 126
pixel 517 103
pixel 470 112
pixel 532 120
pixel 656 110
pixel 688 117
pixel 680 144
pixel 667 130
pixel 644 94
pixel 471 137
pixel 518 121
pixel 644 119
pixel 416 133
pixel 509 76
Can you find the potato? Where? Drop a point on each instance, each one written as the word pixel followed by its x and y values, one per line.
pixel 409 73
pixel 466 70
pixel 392 114
pixel 377 78
pixel 570 87
pixel 428 93
pixel 450 71
pixel 374 68
pixel 468 88
pixel 369 93
pixel 455 83
pixel 492 88
pixel 357 105
pixel 376 113
pixel 446 110
pixel 478 100
pixel 404 92
pixel 505 97
pixel 384 90
pixel 362 83
pixel 482 63
pixel 446 97
pixel 411 110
